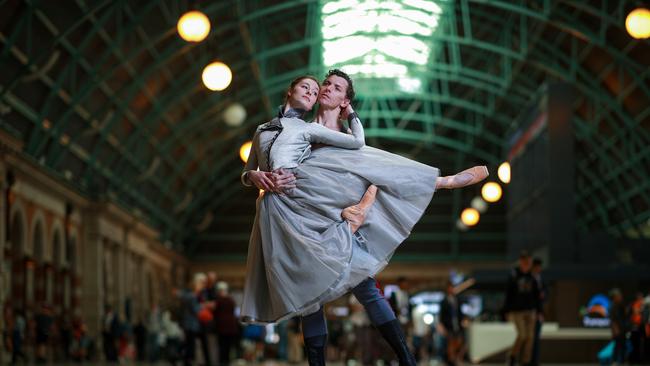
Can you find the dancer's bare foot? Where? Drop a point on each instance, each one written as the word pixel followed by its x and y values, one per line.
pixel 465 178
pixel 356 215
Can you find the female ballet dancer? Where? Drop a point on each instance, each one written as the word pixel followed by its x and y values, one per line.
pixel 301 254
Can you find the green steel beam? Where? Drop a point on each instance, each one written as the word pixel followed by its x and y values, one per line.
pixel 35 144
pixel 162 217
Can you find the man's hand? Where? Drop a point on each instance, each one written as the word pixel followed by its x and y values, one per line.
pixel 283 180
pixel 345 112
pixel 262 180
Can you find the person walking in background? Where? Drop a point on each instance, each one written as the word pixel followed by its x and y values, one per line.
pixel 636 328
pixel 18 337
pixel 645 319
pixel 363 333
pixel 209 332
pixel 521 306
pixel 421 332
pixel 451 327
pixel 44 321
pixel 81 346
pixel 618 320
pixel 154 328
pixel 190 315
pixel 543 296
pixel 140 333
pixel 399 302
pixel 171 338
pixel 226 322
pixel 294 341
pixel 110 334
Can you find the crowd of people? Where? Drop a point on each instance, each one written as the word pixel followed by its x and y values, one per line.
pixel 526 295
pixel 207 316
pixel 203 328
pixel 630 326
pixel 44 336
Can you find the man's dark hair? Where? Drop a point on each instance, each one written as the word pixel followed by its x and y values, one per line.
pixel 349 93
pixel 537 261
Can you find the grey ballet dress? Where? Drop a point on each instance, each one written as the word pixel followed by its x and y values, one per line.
pixel 301 253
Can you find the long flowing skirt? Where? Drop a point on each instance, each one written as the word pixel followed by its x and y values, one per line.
pixel 302 254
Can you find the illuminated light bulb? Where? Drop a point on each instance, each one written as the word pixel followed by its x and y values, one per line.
pixel 470 216
pixel 504 172
pixel 637 23
pixel 216 76
pixel 193 26
pixel 245 151
pixel 491 192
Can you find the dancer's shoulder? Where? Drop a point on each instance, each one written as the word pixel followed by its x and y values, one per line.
pixel 273 124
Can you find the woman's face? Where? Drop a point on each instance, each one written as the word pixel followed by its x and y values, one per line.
pixel 333 92
pixel 304 94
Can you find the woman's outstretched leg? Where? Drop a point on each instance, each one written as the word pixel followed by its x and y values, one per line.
pixel 465 178
pixel 356 215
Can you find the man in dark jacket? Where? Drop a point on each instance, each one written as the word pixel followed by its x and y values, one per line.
pixel 226 322
pixel 543 297
pixel 451 327
pixel 618 323
pixel 522 305
pixel 190 308
pixel 110 334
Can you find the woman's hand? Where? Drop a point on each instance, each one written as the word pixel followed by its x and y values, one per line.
pixel 276 181
pixel 283 180
pixel 262 180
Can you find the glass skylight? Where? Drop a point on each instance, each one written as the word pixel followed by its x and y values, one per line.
pixel 380 40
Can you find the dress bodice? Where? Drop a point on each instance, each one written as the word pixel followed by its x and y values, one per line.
pixel 286 142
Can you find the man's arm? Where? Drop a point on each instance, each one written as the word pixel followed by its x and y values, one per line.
pixel 318 134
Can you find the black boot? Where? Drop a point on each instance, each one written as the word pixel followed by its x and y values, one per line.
pixel 315 350
pixel 393 334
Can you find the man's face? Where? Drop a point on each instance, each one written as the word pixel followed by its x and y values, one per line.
pixel 525 263
pixel 332 92
pixel 304 94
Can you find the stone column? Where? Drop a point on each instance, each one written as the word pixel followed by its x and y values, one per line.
pixel 92 295
pixel 49 283
pixel 30 268
pixel 119 274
